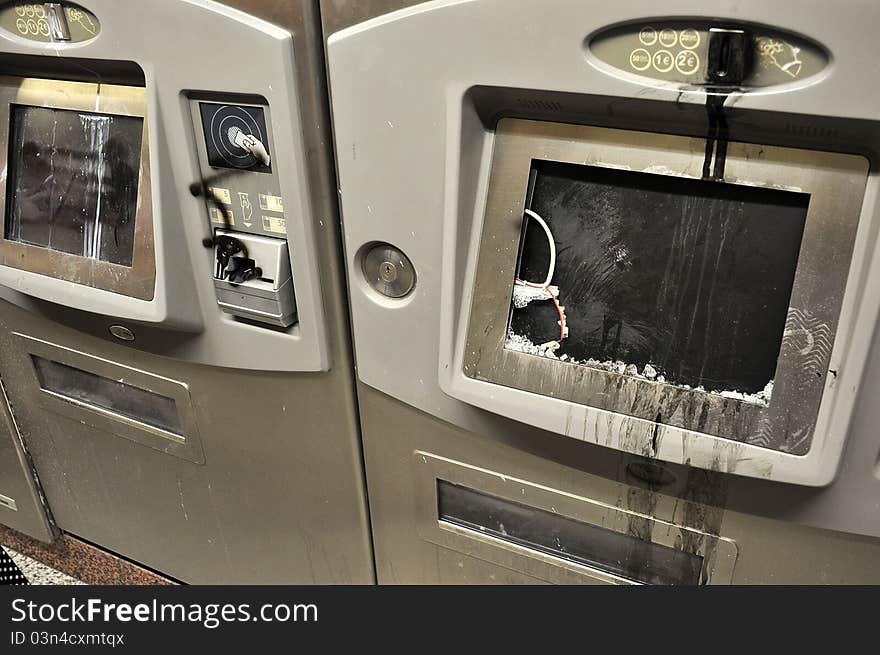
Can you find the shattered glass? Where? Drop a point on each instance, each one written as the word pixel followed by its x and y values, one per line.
pixel 689 278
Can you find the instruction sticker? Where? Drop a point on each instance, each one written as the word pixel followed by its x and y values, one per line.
pixel 271 203
pixel 222 195
pixel 274 224
pixel 216 217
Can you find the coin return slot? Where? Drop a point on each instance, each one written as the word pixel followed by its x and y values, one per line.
pixel 598 548
pixel 107 396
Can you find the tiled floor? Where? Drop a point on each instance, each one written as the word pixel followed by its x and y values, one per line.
pixel 69 560
pixel 37 573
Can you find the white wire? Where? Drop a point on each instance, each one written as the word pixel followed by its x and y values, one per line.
pixel 551 269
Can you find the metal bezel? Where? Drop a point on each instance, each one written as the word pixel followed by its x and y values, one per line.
pixel 836 185
pixel 139 279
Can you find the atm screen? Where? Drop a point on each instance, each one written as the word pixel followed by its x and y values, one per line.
pixel 684 280
pixel 73 182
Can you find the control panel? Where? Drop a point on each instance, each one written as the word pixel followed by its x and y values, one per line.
pixel 245 211
pixel 701 53
pixel 49 22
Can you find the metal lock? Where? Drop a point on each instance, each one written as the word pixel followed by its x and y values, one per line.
pixel 388 271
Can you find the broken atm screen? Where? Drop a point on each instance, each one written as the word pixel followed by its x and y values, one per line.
pixel 73 182
pixel 669 278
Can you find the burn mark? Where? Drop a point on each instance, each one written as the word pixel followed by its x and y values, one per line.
pixel 729 64
pixel 698 508
pixel 702 508
pixel 655 434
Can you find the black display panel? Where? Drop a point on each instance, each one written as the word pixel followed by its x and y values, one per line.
pixel 692 277
pixel 73 182
pixel 220 124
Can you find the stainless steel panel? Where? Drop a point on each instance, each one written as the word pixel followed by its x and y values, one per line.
pixel 279 496
pixel 182 442
pixel 339 14
pixel 21 501
pixel 412 548
pixel 718 554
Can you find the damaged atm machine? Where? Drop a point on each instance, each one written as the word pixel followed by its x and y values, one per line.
pixel 615 282
pixel 173 335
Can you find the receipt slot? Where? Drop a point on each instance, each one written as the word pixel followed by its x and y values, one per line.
pixel 641 342
pixel 174 334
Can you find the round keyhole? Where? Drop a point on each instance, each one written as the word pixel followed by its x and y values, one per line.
pixel 388 271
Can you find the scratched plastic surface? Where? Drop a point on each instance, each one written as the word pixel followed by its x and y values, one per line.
pixel 73 182
pixel 693 277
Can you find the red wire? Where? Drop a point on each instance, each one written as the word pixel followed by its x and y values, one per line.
pixel 555 302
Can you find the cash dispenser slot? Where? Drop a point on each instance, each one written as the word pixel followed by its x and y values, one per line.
pixel 614 553
pixel 556 536
pixel 111 397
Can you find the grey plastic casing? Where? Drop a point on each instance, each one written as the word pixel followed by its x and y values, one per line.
pixel 413 164
pixel 183 319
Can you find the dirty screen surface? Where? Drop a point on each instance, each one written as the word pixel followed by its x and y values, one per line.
pixel 73 182
pixel 692 277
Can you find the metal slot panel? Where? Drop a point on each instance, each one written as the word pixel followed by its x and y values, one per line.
pixel 514 524
pixel 126 402
pixel 612 552
pixel 102 393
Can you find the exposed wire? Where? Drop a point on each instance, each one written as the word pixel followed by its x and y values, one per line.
pixel 201 188
pixel 551 270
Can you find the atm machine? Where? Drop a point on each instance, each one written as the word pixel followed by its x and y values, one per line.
pixel 174 346
pixel 614 276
